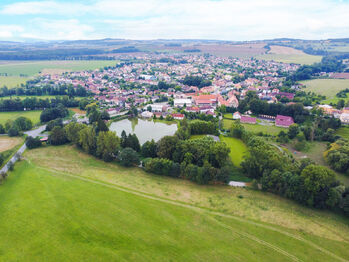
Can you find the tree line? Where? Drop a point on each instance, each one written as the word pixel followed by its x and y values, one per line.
pixel 303 181
pixel 31 90
pixel 33 103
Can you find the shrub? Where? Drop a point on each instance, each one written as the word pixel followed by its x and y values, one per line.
pixel 33 142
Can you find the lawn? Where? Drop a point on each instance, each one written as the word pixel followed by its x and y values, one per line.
pixel 82 209
pixel 237 149
pixel 266 129
pixel 12 81
pixel 326 87
pixel 35 67
pixel 34 116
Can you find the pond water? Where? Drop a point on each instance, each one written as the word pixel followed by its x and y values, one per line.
pixel 144 129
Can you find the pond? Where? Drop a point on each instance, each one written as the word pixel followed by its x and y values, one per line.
pixel 144 129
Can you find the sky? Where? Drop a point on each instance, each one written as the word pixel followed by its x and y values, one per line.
pixel 234 20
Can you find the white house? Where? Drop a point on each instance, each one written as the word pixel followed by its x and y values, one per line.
pixel 180 102
pixel 236 115
pixel 147 114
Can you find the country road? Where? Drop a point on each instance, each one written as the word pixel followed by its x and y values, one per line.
pixel 34 133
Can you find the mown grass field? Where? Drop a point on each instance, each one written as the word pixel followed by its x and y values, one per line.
pixel 81 208
pixel 34 116
pixel 266 129
pixel 12 81
pixel 237 149
pixel 326 87
pixel 35 67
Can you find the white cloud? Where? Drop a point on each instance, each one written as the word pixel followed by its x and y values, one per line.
pixel 43 7
pixel 8 31
pixel 49 29
pixel 224 19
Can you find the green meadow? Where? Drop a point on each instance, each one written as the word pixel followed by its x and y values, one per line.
pixel 303 59
pixel 60 204
pixel 35 67
pixel 12 81
pixel 237 149
pixel 34 116
pixel 255 128
pixel 326 87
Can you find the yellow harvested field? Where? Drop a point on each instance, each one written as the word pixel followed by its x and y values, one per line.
pixel 7 143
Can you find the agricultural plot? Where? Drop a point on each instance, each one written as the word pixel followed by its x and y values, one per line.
pixel 84 209
pixel 34 116
pixel 32 68
pixel 326 87
pixel 289 55
pixel 7 143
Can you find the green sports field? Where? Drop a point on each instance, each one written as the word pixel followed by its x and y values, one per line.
pixel 34 116
pixel 62 205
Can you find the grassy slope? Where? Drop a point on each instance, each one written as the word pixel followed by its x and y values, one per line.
pixel 34 67
pixel 34 116
pixel 75 218
pixel 255 205
pixel 327 87
pixel 237 149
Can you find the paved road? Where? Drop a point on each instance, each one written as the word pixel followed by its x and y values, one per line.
pixel 34 133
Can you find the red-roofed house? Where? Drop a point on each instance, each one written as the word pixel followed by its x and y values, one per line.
pixel 283 121
pixel 178 116
pixel 248 120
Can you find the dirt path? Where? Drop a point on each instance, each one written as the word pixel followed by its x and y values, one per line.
pixel 211 212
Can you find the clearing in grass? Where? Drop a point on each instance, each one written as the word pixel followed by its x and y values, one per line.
pixel 34 116
pixel 98 211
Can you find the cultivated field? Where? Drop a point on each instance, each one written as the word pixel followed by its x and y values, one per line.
pixel 81 208
pixel 35 67
pixel 6 143
pixel 34 116
pixel 327 87
pixel 289 55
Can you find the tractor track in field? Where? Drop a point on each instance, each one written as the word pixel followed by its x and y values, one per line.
pixel 208 211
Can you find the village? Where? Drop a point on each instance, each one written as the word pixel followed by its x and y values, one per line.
pixel 158 85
